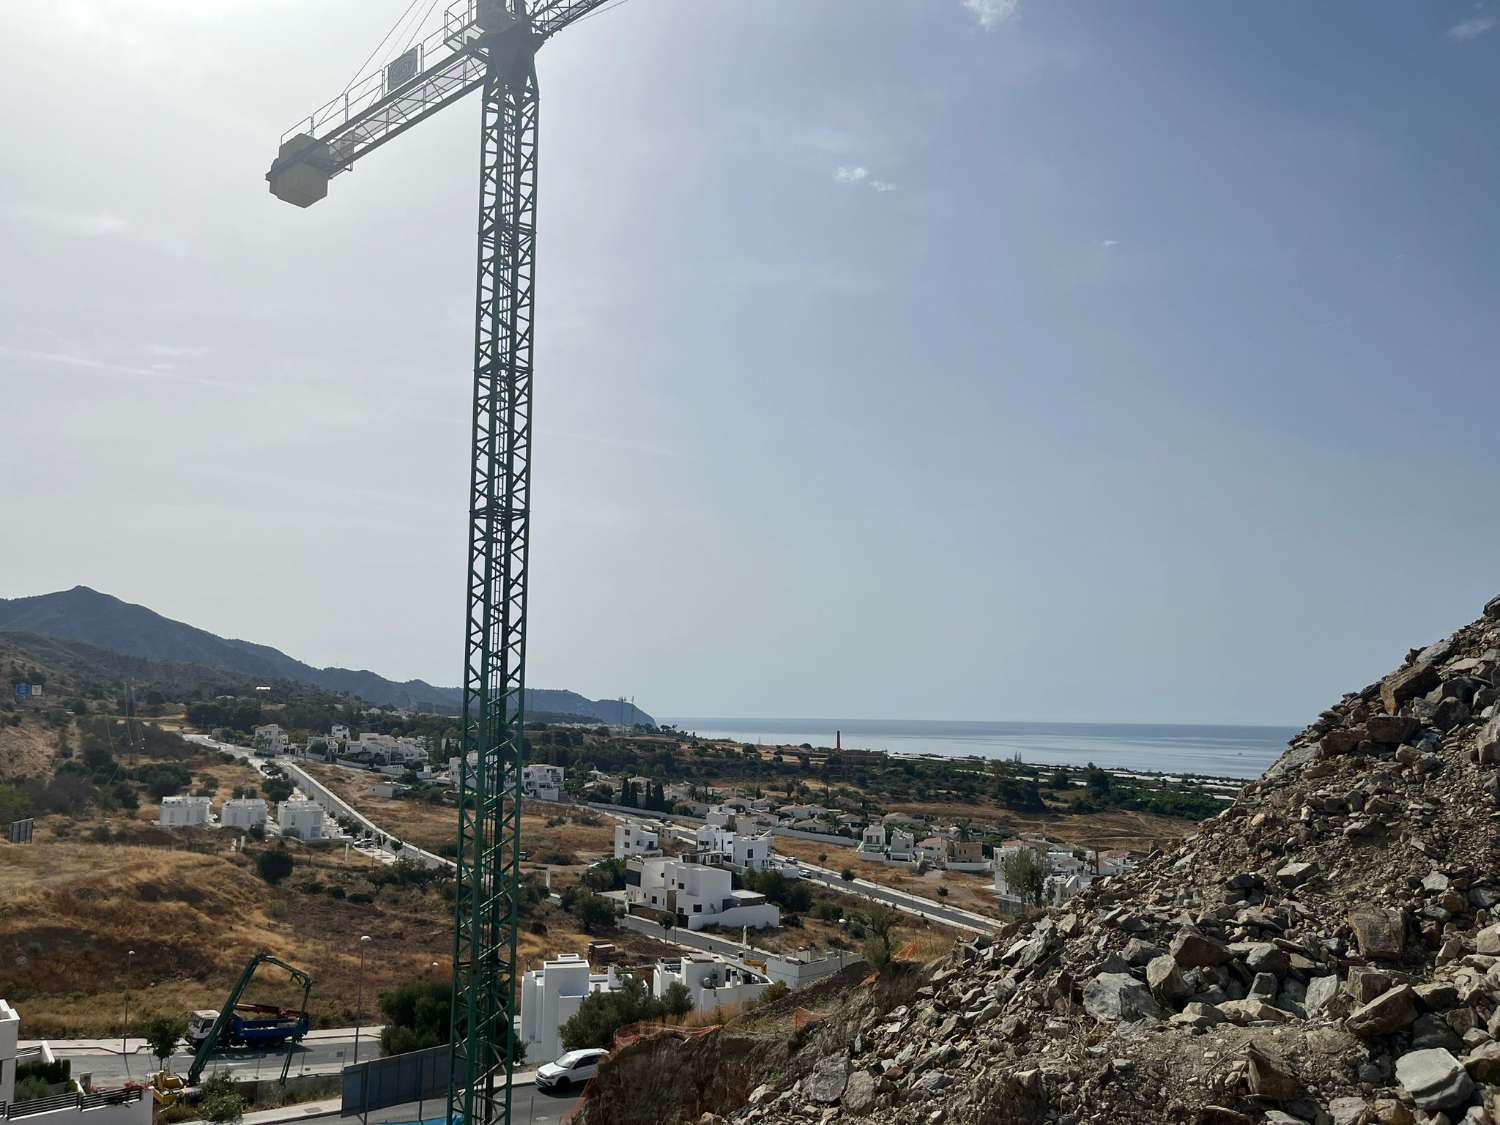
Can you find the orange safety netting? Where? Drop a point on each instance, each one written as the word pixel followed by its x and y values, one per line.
pixel 635 1032
pixel 801 1017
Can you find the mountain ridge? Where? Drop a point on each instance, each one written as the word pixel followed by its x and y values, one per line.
pixel 91 617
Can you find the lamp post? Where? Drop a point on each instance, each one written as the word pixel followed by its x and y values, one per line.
pixel 125 1012
pixel 359 993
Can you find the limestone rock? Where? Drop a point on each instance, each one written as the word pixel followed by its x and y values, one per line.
pixel 1119 996
pixel 1395 1009
pixel 1434 1079
pixel 1381 933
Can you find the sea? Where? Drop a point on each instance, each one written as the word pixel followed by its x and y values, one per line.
pixel 1166 748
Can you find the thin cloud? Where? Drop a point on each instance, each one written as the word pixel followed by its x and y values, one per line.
pixel 992 13
pixel 850 173
pixel 882 185
pixel 1109 243
pixel 87 364
pixel 1471 28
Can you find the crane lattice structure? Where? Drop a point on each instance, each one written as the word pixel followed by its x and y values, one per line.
pixel 489 46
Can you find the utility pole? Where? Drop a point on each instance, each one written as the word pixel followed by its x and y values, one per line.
pixel 359 995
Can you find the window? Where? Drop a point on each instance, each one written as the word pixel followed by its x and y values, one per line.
pixel 697 908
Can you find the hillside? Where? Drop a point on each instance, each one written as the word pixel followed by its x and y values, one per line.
pixel 105 622
pixel 1326 950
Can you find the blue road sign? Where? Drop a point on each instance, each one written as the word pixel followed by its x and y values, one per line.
pixel 23 690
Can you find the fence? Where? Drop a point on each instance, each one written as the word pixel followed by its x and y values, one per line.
pixel 16 1110
pixel 396 1080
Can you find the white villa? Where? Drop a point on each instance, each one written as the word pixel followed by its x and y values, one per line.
pixel 304 820
pixel 551 995
pixel 721 846
pixel 697 895
pixel 184 812
pixel 633 839
pixel 543 782
pixel 243 812
pixel 712 982
pixel 70 1106
pixel 271 740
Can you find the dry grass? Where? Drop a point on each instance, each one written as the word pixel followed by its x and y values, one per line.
pixel 26 750
pixel 74 910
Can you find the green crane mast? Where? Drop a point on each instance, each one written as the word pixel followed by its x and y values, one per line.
pixel 489 46
pixel 226 1014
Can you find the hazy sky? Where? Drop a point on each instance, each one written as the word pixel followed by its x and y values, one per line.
pixel 897 358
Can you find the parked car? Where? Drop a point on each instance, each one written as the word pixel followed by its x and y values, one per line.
pixel 573 1069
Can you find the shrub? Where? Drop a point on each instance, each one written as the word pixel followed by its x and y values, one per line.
pixel 847 874
pixel 417 1015
pixel 220 1100
pixel 274 864
pixel 774 993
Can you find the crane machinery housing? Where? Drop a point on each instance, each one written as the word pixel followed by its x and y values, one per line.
pixel 487 46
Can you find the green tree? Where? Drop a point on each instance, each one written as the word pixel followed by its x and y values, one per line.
pixel 417 1015
pixel 594 912
pixel 220 1100
pixel 603 1013
pixel 274 864
pixel 676 1000
pixel 1097 781
pixel 1025 873
pixel 880 923
pixel 162 1033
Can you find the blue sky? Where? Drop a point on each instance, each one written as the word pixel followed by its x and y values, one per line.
pixel 896 359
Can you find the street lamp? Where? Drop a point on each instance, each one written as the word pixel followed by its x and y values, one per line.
pixel 359 992
pixel 125 1012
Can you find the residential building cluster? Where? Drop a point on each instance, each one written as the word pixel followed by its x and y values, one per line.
pixel 696 895
pixel 1069 870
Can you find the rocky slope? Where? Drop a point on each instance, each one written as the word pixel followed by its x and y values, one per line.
pixel 1326 950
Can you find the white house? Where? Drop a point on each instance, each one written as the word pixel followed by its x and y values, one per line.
pixel 243 812
pixel 551 995
pixel 712 982
pixel 304 820
pixel 271 740
pixel 542 781
pixel 183 812
pixel 338 735
pixel 902 846
pixel 697 895
pixel 750 852
pixel 635 839
pixel 806 966
pixel 872 841
pixel 720 816
pixel 10 1033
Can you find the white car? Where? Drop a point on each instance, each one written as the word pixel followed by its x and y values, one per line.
pixel 573 1069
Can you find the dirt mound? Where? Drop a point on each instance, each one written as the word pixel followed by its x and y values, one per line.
pixel 1326 950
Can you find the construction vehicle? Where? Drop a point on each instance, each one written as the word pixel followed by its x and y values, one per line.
pixel 238 1024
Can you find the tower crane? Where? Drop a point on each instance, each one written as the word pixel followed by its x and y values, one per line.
pixel 489 46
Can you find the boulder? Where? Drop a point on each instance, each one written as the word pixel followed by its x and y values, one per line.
pixel 1119 996
pixel 1270 1077
pixel 1347 1111
pixel 828 1079
pixel 1487 941
pixel 1193 950
pixel 1434 1079
pixel 1295 874
pixel 1483 1063
pixel 1320 990
pixel 1408 683
pixel 860 1092
pixel 1164 978
pixel 1381 933
pixel 1396 1009
pixel 1391 730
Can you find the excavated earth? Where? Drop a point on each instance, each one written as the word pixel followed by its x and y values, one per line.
pixel 1326 950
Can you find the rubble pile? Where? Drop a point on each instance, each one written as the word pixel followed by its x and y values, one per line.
pixel 1326 950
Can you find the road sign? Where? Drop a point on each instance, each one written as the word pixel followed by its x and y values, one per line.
pixel 23 690
pixel 19 831
pixel 36 691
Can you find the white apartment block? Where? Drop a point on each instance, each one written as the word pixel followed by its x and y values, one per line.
pixel 632 839
pixel 302 820
pixel 549 998
pixel 543 782
pixel 712 982
pixel 183 812
pixel 697 895
pixel 243 812
pixel 271 740
pixel 720 816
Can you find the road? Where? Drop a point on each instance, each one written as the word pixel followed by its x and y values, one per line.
pixel 910 904
pixel 320 1053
